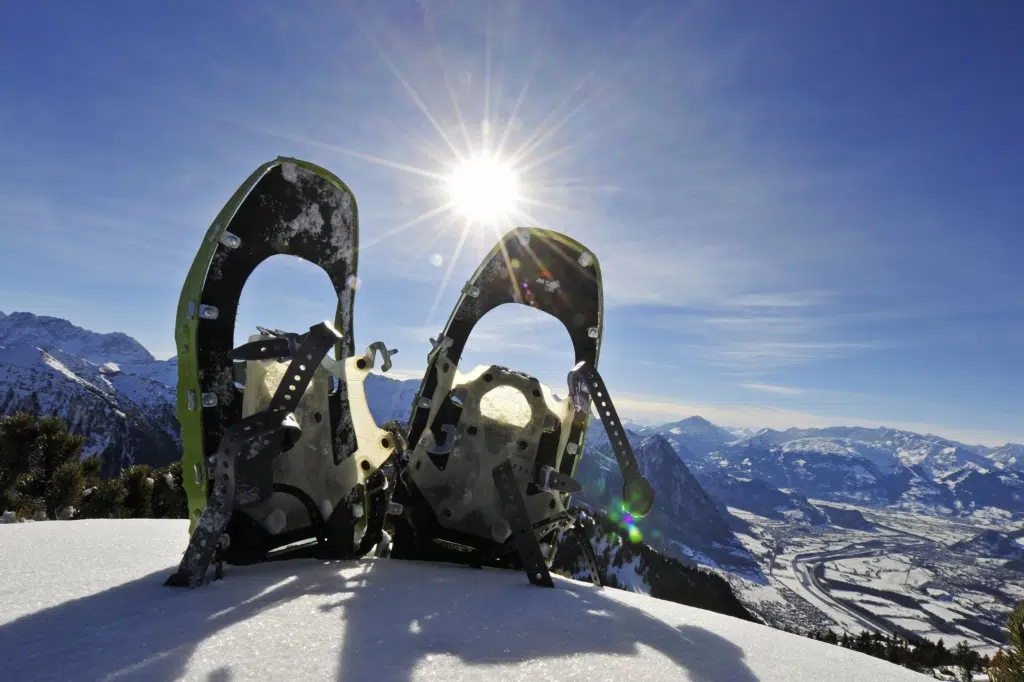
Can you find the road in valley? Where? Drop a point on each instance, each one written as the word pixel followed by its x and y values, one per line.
pixel 812 590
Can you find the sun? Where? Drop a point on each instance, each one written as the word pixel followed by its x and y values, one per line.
pixel 483 189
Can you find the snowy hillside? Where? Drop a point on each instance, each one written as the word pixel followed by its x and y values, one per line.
pixel 107 387
pixel 99 611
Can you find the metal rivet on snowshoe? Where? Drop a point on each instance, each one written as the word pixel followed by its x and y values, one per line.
pixel 524 238
pixel 571 448
pixel 230 240
pixel 586 258
pixel 208 312
pixel 395 509
pixel 472 291
pixel 592 332
pixel 209 399
pixel 424 403
pixel 448 513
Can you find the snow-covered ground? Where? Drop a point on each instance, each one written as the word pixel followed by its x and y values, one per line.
pixel 84 600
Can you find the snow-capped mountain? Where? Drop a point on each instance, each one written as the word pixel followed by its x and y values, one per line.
pixel 35 331
pixel 1009 456
pixel 115 393
pixel 884 467
pixel 887 447
pixel 107 387
pixel 390 398
pixel 695 434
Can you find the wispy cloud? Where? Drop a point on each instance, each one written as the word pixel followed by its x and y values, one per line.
pixel 764 332
pixel 772 388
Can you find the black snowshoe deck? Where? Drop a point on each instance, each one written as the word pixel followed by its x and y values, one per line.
pixel 298 209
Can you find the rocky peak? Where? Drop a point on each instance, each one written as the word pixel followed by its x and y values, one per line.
pixel 54 333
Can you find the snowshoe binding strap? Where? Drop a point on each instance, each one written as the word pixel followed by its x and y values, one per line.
pixel 579 534
pixel 586 385
pixel 513 508
pixel 246 448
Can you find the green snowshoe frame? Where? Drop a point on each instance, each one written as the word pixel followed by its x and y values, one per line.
pixel 332 413
pixel 483 438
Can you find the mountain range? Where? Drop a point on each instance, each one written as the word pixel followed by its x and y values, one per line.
pixel 112 390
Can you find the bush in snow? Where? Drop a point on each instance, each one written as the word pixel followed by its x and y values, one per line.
pixel 105 500
pixel 64 488
pixel 169 499
pixel 138 484
pixel 32 450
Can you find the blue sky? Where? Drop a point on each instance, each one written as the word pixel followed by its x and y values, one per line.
pixel 806 213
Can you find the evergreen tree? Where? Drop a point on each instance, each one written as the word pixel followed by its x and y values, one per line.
pixel 32 450
pixel 105 500
pixel 169 499
pixel 138 484
pixel 966 659
pixel 64 488
pixel 1008 664
pixel 91 468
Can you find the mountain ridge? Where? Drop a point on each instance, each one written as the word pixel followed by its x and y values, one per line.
pixel 111 388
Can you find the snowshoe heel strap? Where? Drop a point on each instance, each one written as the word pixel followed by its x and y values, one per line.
pixel 586 385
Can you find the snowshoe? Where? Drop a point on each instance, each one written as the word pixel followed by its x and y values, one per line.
pixel 279 446
pixel 493 452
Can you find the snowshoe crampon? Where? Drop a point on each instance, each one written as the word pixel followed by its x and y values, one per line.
pixel 493 454
pixel 279 444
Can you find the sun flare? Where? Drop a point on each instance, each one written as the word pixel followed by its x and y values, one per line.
pixel 483 189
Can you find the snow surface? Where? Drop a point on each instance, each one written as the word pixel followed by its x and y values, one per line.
pixel 84 600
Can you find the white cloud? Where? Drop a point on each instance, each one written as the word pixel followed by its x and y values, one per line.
pixel 772 388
